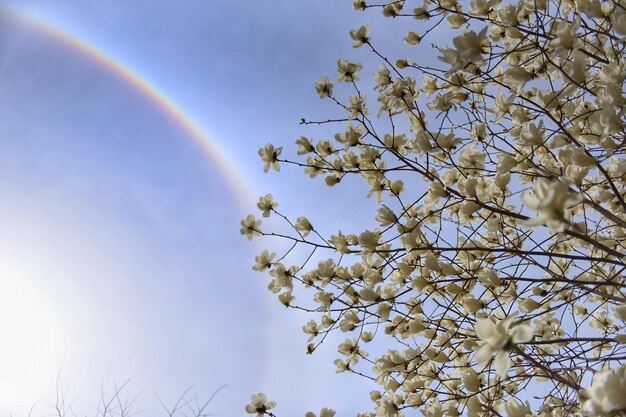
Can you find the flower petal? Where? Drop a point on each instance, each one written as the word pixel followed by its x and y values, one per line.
pixel 505 325
pixel 502 363
pixel 522 333
pixel 485 329
pixel 484 353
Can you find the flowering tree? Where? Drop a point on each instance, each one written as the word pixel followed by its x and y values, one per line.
pixel 495 277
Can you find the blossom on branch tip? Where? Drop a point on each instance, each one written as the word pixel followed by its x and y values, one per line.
pixel 469 49
pixel 352 136
pixel 360 36
pixel 472 380
pixel 259 405
pixel 324 87
pixel 516 78
pixel 532 135
pixel 403 63
pixel 513 408
pixel 456 20
pixel 266 204
pixel 325 412
pixel 500 338
pixel 550 199
pixel 359 5
pixel 250 227
pixel 393 9
pixel 269 155
pixel 565 37
pixel 357 106
pixel 482 8
pixel 286 298
pixel 263 261
pixel 412 38
pixel 348 71
pixel 282 277
pixel 303 225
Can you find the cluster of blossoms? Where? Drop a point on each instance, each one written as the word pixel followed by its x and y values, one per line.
pixel 493 283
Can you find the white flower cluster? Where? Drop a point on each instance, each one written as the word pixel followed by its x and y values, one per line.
pixel 496 262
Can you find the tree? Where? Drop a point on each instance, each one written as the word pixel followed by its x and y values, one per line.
pixel 119 402
pixel 499 177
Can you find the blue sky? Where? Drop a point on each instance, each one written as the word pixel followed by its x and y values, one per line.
pixel 126 235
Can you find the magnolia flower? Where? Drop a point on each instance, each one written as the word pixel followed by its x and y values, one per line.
pixel 370 240
pixel 304 145
pixel 489 277
pixel 324 148
pixel 412 38
pixel 282 277
pixel 618 18
pixel 393 9
pixel 442 102
pixel 347 71
pixel 352 136
pixel 528 305
pixel 516 77
pixel 382 77
pixel 531 134
pixel 433 409
pixel 403 63
pixel 479 131
pixel 516 409
pixel 500 337
pixel 303 226
pixel 360 36
pixel 269 155
pixel 565 37
pixel 266 204
pixel 250 227
pixel 325 412
pixel 620 312
pixel 260 405
pixel 481 7
pixel 286 298
pixel 472 380
pixel 357 106
pixel 359 4
pixel 606 395
pixel 502 105
pixel 469 50
pixel 324 87
pixel 429 86
pixel 447 142
pixel 456 20
pixel 550 199
pixel 264 261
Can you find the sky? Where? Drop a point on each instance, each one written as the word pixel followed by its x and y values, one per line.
pixel 124 174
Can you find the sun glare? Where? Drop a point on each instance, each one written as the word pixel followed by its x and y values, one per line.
pixel 29 347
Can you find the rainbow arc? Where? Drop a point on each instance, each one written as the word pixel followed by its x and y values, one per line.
pixel 231 176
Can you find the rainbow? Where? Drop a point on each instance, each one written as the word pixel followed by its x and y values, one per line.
pixel 237 185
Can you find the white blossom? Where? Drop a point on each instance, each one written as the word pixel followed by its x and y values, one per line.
pixel 360 36
pixel 550 199
pixel 259 405
pixel 499 338
pixel 324 87
pixel 469 49
pixel 606 395
pixel 269 156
